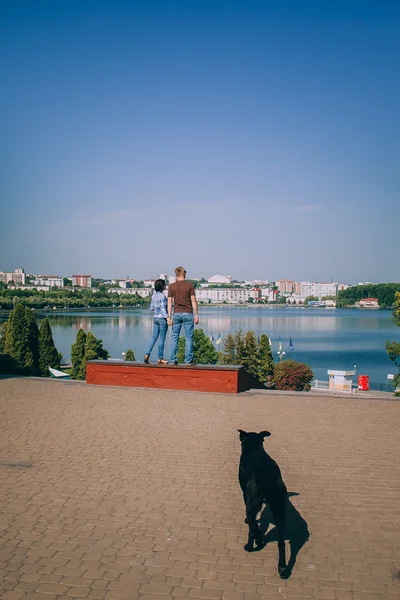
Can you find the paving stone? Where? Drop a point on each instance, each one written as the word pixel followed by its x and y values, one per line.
pixel 133 494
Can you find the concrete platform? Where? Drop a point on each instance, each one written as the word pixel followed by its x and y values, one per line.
pixel 114 493
pixel 228 379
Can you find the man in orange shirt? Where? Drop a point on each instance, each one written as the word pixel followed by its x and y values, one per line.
pixel 185 313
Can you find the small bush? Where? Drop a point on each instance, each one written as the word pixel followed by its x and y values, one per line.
pixel 130 355
pixel 293 375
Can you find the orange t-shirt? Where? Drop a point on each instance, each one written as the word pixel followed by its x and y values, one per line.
pixel 181 292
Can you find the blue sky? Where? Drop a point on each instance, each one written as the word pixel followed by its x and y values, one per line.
pixel 259 139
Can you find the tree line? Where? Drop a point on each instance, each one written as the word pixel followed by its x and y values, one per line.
pixel 384 292
pixel 85 298
pixel 26 348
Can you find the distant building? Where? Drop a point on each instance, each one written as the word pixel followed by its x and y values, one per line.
pixel 268 294
pixel 82 280
pixel 142 292
pixel 255 293
pixel 319 290
pixel 18 276
pixel 368 303
pixel 171 279
pixel 285 285
pixel 124 283
pixel 218 295
pixel 293 298
pixel 220 279
pixel 48 280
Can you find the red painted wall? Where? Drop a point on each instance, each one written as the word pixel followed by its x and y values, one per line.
pixel 202 378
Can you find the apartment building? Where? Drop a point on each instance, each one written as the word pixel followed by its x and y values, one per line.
pixel 217 295
pixel 48 280
pixel 16 277
pixel 286 286
pixel 318 290
pixel 82 280
pixel 142 292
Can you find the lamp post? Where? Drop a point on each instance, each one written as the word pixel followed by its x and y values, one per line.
pixel 281 354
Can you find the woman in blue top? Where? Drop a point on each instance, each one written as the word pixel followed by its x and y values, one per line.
pixel 160 327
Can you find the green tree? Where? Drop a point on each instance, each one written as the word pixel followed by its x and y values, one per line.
pixel 393 348
pixel 130 355
pixel 384 292
pixel 32 349
pixel 3 334
pixel 93 350
pixel 266 361
pixel 228 354
pixel 16 343
pixel 250 359
pixel 77 354
pixel 240 346
pixel 203 350
pixel 48 355
pixel 310 299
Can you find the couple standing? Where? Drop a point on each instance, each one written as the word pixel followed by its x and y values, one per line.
pixel 183 296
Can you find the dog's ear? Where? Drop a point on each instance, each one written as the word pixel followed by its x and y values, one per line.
pixel 264 434
pixel 242 434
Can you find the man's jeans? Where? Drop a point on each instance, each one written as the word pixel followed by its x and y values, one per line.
pixel 187 320
pixel 160 328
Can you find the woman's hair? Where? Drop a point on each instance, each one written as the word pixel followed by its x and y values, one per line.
pixel 159 285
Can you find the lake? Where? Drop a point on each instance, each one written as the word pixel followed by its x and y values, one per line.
pixel 323 338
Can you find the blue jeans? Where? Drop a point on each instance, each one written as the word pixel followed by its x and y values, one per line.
pixel 187 320
pixel 160 328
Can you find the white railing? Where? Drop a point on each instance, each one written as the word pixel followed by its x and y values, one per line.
pixel 317 384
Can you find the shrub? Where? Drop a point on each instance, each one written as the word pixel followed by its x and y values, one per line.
pixel 292 375
pixel 130 355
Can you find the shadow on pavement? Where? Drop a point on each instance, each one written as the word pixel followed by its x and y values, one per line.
pixel 296 530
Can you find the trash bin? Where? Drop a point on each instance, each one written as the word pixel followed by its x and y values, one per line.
pixel 363 383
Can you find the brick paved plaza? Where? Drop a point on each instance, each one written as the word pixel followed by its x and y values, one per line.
pixel 121 494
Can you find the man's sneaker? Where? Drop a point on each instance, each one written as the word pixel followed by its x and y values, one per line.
pixel 161 361
pixel 192 362
pixel 146 359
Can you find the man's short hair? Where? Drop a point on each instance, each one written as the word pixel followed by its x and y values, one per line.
pixel 179 271
pixel 159 285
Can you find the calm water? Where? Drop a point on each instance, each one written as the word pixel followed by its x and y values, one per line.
pixel 324 339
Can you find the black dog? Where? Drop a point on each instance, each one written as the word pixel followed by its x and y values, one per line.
pixel 261 482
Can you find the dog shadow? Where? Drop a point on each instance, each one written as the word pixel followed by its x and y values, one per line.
pixel 296 530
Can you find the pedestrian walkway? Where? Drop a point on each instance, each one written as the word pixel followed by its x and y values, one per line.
pixel 124 494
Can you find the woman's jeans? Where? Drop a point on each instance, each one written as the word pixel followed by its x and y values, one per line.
pixel 187 320
pixel 160 329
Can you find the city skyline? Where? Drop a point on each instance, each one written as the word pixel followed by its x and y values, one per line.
pixel 254 138
pixel 209 279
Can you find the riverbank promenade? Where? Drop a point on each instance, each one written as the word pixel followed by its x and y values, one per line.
pixel 126 494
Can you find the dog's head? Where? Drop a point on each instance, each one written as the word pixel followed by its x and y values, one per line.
pixel 250 440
